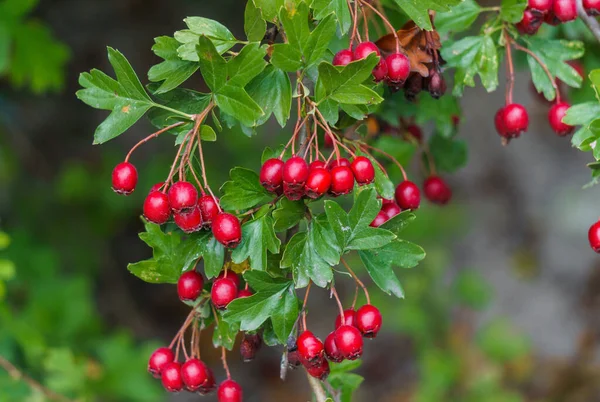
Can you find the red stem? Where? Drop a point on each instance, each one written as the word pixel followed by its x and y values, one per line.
pixel 358 281
pixel 153 135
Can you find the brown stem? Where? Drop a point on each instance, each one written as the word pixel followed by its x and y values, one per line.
pixel 510 72
pixel 385 21
pixel 591 22
pixel 151 136
pixel 339 303
pixel 358 281
pixel 224 360
pixel 304 306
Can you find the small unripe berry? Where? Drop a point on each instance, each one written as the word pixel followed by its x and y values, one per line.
pixel 363 170
pixel 227 230
pixel 349 318
pixel 408 195
pixel 193 374
pixel 319 370
pixel 565 10
pixel 331 350
pixel 364 49
pixel 182 196
pixel 342 180
pixel 594 237
pixel 229 391
pixel 555 116
pixel 391 210
pixel 189 220
pixel 436 190
pixel 379 220
pixel 310 348
pixel 159 359
pixel 189 286
pixel 592 7
pixel 271 174
pixel 209 208
pixel 349 341
pixel 156 207
pixel 398 68
pixel 124 178
pixel 368 320
pixel 171 377
pixel 223 292
pixel 343 57
pixel 295 172
pixel 318 182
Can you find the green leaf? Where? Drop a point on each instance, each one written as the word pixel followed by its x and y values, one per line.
pixel 344 85
pixel 236 102
pixel 379 263
pixel 399 222
pixel 502 343
pixel 272 91
pixel 286 57
pixel 441 111
pixel 284 318
pixel 459 18
pixel 324 240
pixel 243 191
pixel 471 289
pixel 383 184
pixel 254 24
pixel 346 383
pixel 258 236
pixel 248 63
pixel 219 35
pixel 473 55
pixel 212 65
pixel 182 100
pixel 319 39
pixel 301 256
pixel 449 154
pixel 418 10
pixel 288 214
pixel 269 8
pixel 5 46
pixel 125 97
pixel 595 79
pixel 340 10
pixel 512 10
pixel 225 333
pixel 172 71
pixel 63 373
pixel 213 254
pixel 294 18
pixel 402 150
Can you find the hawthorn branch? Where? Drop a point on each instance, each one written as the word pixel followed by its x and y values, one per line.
pixel 591 22
pixel 17 375
pixel 318 391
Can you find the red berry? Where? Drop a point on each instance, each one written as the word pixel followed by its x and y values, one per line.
pixel 565 10
pixel 328 141
pixel 319 370
pixel 338 162
pixel 223 292
pixel 124 178
pixel 592 7
pixel 331 350
pixel 551 19
pixel 385 201
pixel 244 293
pixel 295 172
pixel 342 180
pixel 159 359
pixel 594 237
pixel 310 348
pixel 293 192
pixel 349 318
pixel 499 122
pixel 349 341
pixel 530 23
pixel 189 286
pixel 231 275
pixel 156 207
pixel 363 170
pixel 182 196
pixel 293 359
pixel 415 131
pixel 391 210
pixel 249 346
pixel 542 6
pixel 398 68
pixel 209 208
pixel 343 57
pixel 156 187
pixel 171 377
pixel 556 115
pixel 227 230
pixel 455 120
pixel 210 384
pixel 271 174
pixel 317 165
pixel 229 391
pixel 515 120
pixel 364 49
pixel 318 183
pixel 188 220
pixel 436 190
pixel 379 220
pixel 193 374
pixel 368 320
pixel 436 84
pixel 408 195
pixel 380 72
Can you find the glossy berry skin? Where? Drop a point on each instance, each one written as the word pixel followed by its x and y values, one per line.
pixel 318 183
pixel 209 208
pixel 398 68
pixel 343 57
pixel 436 190
pixel 555 115
pixel 230 275
pixel 317 165
pixel 349 341
pixel 229 391
pixel 565 10
pixel 408 195
pixel 542 6
pixel 338 162
pixel 189 286
pixel 391 210
pixel 379 220
pixel 515 120
pixel 159 359
pixel 331 350
pixel 182 196
pixel 156 208
pixel 592 7
pixel 295 172
pixel 364 49
pixel 171 377
pixel 363 170
pixel 310 348
pixel 193 374
pixel 244 293
pixel 499 122
pixel 271 174
pixel 349 318
pixel 327 141
pixel 156 187
pixel 209 385
pixel 320 371
pixel 124 178
pixel 530 23
pixel 594 237
pixel 223 292
pixel 227 230
pixel 368 320
pixel 189 221
pixel 342 180
pixel 380 72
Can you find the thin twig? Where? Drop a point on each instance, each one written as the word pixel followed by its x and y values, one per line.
pixel 510 71
pixel 591 22
pixel 318 391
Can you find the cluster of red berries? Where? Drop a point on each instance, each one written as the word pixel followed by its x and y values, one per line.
pixel 344 343
pixel 394 69
pixel 191 212
pixel 513 119
pixel 552 12
pixel 296 178
pixel 224 289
